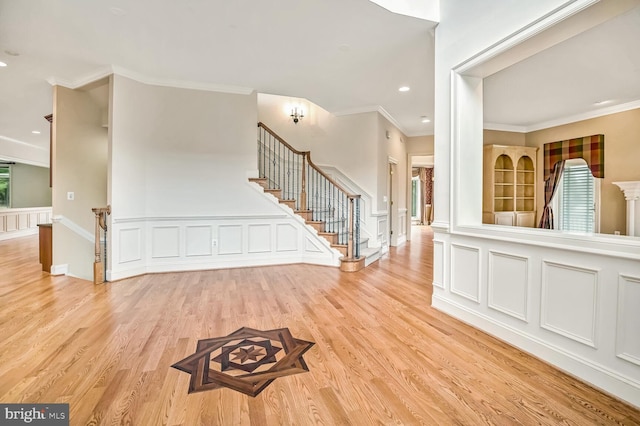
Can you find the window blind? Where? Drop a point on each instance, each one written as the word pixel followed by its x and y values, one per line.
pixel 577 199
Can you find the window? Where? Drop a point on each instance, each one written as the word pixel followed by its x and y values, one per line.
pixel 577 201
pixel 415 188
pixel 5 186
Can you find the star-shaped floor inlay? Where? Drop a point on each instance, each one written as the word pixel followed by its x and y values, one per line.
pixel 246 360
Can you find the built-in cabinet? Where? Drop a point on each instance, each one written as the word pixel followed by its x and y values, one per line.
pixel 509 185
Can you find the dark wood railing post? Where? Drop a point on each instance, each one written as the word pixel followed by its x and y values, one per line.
pixel 303 190
pixel 350 237
pixel 101 222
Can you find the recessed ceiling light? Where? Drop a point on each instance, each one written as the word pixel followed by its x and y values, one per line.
pixel 35 132
pixel 425 120
pixel 404 89
pixel 598 103
pixel 2 64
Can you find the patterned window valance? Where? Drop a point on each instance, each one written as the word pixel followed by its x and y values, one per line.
pixel 591 148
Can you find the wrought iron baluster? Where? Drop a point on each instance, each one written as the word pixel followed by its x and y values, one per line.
pixel 356 220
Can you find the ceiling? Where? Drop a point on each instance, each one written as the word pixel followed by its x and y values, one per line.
pixel 569 81
pixel 346 56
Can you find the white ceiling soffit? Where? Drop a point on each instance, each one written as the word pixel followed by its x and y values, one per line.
pixel 423 9
pixel 340 55
pixel 592 74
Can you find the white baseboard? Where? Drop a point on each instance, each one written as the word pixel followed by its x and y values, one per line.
pixel 59 269
pixel 18 234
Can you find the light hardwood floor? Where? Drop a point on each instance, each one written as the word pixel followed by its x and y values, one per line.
pixel 382 355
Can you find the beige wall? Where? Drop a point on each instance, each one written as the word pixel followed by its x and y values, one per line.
pixel 394 148
pixel 80 151
pixel 30 186
pixel 497 137
pixel 420 145
pixel 621 154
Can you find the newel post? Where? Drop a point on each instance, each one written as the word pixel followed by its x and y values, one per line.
pixel 350 238
pixel 303 190
pixel 101 222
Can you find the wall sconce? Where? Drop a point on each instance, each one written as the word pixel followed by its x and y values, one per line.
pixel 296 114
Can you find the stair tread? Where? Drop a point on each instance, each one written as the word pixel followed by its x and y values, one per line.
pixel 327 233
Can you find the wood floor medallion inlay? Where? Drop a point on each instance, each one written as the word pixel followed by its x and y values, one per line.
pixel 247 360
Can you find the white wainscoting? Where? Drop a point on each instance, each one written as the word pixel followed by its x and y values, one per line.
pixel 566 285
pixel 230 239
pixel 165 241
pixel 139 246
pixel 286 237
pixel 508 284
pixel 576 310
pixel 628 321
pixel 198 240
pixel 465 271
pixel 16 223
pixel 130 247
pixel 259 238
pixel 438 259
pixel 383 232
pixel 401 233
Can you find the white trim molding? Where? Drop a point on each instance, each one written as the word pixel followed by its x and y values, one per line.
pixel 69 224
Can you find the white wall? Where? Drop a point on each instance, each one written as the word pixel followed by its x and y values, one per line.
pixel 179 191
pixel 566 299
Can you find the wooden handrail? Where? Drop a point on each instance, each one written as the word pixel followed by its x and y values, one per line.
pixel 336 184
pixel 282 141
pixel 308 155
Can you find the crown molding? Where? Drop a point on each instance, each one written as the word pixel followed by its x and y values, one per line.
pixel 601 112
pixel 8 139
pixel 146 79
pixel 584 116
pixel 505 127
pixel 23 161
pixel 372 108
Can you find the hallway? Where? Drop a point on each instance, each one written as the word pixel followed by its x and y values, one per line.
pixel 381 353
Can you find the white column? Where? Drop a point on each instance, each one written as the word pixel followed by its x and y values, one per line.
pixel 631 192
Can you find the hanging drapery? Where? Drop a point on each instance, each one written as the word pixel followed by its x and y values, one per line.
pixel 590 148
pixel 422 174
pixel 550 186
pixel 428 196
pixel 425 195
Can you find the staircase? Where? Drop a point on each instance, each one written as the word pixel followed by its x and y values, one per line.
pixel 291 177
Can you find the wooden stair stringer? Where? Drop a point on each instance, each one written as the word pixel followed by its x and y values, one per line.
pixel 313 227
pixel 316 227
